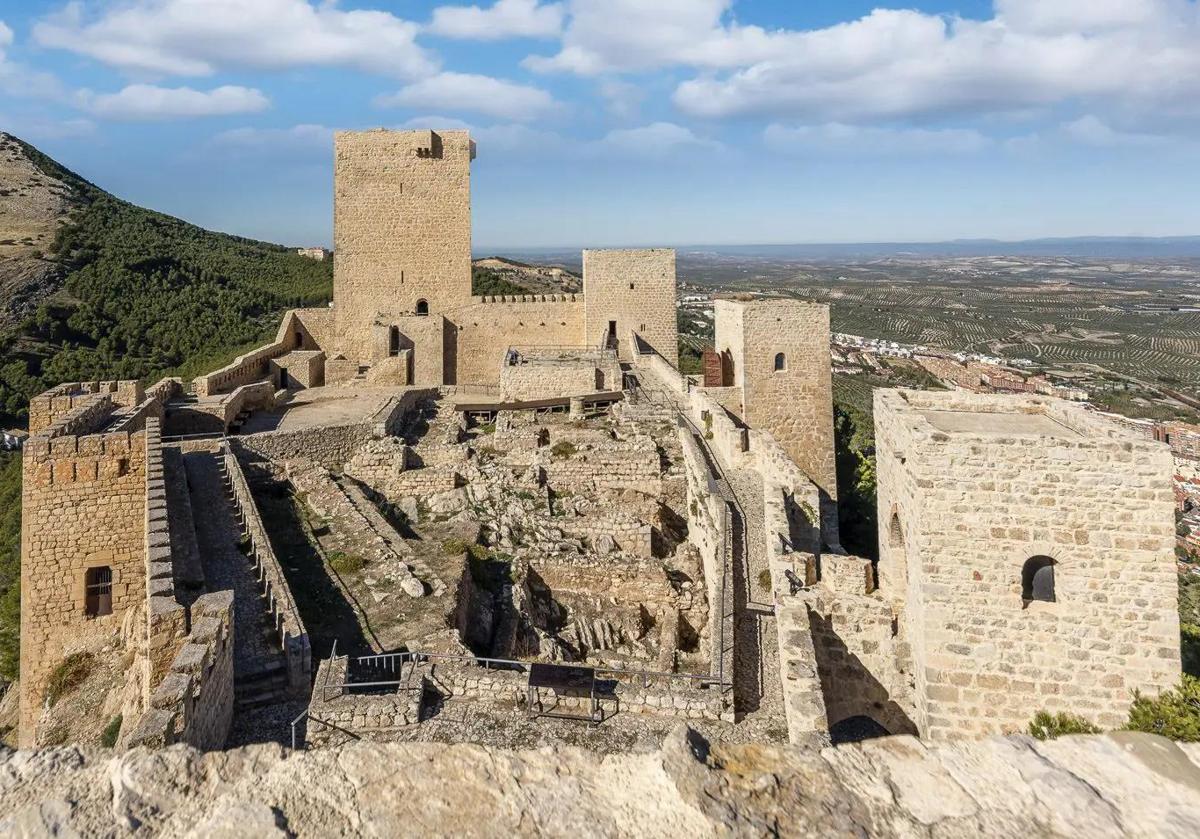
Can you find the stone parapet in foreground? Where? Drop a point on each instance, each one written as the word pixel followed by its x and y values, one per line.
pixel 1096 786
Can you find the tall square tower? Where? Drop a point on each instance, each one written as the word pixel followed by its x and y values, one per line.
pixel 775 353
pixel 401 227
pixel 1027 545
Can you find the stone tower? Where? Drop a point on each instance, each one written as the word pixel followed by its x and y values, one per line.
pixel 83 530
pixel 402 231
pixel 1027 546
pixel 776 360
pixel 629 292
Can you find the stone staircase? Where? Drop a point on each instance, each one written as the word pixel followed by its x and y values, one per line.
pixel 259 667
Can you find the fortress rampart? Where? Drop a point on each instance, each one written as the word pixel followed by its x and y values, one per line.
pixel 193 701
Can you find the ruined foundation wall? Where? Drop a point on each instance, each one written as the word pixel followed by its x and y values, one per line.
pixel 961 512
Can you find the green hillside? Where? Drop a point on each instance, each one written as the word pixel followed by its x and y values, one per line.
pixel 147 295
pixel 144 295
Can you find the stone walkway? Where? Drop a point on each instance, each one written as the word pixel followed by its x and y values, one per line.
pixel 256 647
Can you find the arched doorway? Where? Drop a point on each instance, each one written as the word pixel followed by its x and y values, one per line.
pixel 422 307
pixel 856 729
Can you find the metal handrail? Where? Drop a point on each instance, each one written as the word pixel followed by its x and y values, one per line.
pixel 726 546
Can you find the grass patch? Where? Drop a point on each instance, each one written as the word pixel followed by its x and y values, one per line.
pixel 456 547
pixel 1046 726
pixel 563 449
pixel 344 563
pixel 68 675
pixel 55 735
pixel 108 737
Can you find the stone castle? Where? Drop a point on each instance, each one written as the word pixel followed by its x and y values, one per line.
pixel 420 507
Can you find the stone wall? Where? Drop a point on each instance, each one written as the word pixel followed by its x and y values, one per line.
pixel 166 618
pixel 194 701
pixel 636 290
pixel 56 403
pixel 84 506
pixel 402 228
pixel 709 530
pixel 485 329
pixel 970 488
pixel 254 366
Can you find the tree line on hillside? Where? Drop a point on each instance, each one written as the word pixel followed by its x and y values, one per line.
pixel 147 295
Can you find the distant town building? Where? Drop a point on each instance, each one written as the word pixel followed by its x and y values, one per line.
pixel 319 254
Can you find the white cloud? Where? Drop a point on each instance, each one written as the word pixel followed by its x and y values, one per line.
pixel 434 123
pixel 607 35
pixel 138 102
pixel 18 80
pixel 895 64
pixel 1092 131
pixel 477 94
pixel 298 138
pixel 658 139
pixel 202 37
pixel 623 98
pixel 898 64
pixel 839 138
pixel 503 19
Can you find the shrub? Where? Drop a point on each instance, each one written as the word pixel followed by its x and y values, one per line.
pixel 1174 713
pixel 68 675
pixel 764 580
pixel 563 449
pixel 108 737
pixel 1047 726
pixel 455 547
pixel 1189 637
pixel 55 735
pixel 344 563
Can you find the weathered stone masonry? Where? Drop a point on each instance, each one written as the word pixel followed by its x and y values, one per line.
pixel 971 487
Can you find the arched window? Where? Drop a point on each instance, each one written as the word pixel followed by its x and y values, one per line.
pixel 895 532
pixel 97 591
pixel 422 307
pixel 1037 579
pixel 780 362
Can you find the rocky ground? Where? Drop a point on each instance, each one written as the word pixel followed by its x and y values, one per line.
pixel 1097 786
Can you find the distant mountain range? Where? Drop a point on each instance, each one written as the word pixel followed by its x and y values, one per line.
pixel 1081 247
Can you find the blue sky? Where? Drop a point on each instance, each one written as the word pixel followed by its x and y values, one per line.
pixel 609 122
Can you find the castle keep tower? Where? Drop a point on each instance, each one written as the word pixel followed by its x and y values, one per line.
pixel 1028 547
pixel 402 231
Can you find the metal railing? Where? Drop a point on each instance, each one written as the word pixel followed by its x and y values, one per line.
pixel 717 475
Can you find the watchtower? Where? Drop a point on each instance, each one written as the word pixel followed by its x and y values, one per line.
pixel 402 233
pixel 1027 545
